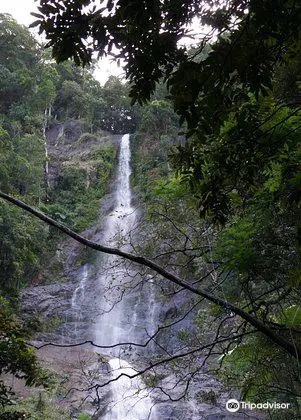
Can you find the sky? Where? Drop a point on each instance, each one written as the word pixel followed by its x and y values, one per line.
pixel 21 9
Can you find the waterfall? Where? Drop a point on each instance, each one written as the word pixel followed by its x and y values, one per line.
pixel 47 115
pixel 78 299
pixel 110 327
pixel 117 316
pixel 130 397
pixel 80 290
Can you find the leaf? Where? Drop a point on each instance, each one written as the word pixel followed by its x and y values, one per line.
pixel 35 23
pixel 291 316
pixel 37 15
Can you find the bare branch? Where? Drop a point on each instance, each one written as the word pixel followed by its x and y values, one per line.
pixel 163 361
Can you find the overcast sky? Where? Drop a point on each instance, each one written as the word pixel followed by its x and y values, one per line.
pixel 20 10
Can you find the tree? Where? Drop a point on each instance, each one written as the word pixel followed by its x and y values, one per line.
pixel 15 358
pixel 259 232
pixel 18 57
pixel 146 33
pixel 117 114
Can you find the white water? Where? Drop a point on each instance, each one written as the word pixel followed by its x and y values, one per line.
pixel 111 326
pixel 78 298
pixel 116 323
pixel 130 399
pixel 80 290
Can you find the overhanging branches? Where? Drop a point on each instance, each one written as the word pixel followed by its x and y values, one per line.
pixel 288 346
pixel 163 361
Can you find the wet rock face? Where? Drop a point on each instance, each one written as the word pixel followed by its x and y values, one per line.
pixel 52 305
pixel 64 133
pixel 48 305
pixel 49 300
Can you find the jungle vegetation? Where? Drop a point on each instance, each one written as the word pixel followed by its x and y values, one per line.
pixel 235 160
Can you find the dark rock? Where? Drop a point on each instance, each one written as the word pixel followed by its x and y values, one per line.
pixel 49 300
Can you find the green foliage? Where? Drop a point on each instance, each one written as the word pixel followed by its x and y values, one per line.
pixel 79 95
pixel 42 324
pixel 291 316
pixel 157 117
pixel 117 115
pixel 36 408
pixel 238 96
pixel 72 99
pixel 262 373
pixel 151 145
pixel 208 397
pixel 22 247
pixel 80 187
pixel 219 90
pixel 149 161
pixel 147 36
pixel 241 160
pixel 33 90
pixel 170 187
pixel 23 240
pixel 88 137
pixel 237 249
pixel 83 416
pixel 16 357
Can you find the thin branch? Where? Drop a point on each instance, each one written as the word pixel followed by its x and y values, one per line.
pixel 163 361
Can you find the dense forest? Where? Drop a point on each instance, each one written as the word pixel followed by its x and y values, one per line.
pixel 215 143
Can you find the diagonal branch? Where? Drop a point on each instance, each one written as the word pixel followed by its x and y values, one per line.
pixel 255 322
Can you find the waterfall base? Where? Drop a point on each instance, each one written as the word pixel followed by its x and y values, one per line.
pixel 130 398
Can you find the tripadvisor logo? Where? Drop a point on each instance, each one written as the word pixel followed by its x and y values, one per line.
pixel 233 405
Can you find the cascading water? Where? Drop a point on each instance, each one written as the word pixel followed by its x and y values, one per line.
pixel 78 298
pixel 79 291
pixel 110 327
pixel 130 399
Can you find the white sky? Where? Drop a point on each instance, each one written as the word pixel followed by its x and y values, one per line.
pixel 21 9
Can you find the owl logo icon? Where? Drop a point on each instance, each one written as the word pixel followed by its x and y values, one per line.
pixel 232 405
